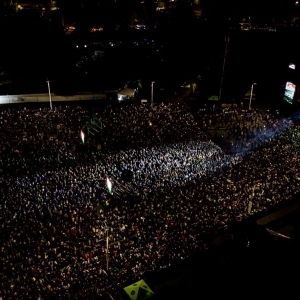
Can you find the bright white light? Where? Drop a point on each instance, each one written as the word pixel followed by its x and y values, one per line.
pixel 77 46
pixel 108 184
pixel 82 136
pixel 292 66
pixel 85 46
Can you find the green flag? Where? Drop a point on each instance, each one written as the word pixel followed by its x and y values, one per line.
pixel 139 291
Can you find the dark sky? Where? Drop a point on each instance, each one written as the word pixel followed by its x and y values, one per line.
pixel 33 47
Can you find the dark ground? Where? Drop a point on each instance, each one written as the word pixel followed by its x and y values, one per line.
pixel 267 267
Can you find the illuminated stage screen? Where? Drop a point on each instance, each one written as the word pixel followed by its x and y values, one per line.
pixel 289 92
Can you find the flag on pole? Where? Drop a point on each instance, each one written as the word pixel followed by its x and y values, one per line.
pixel 82 136
pixel 109 186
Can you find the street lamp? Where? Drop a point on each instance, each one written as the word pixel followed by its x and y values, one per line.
pixel 251 93
pixel 107 245
pixel 152 82
pixel 48 83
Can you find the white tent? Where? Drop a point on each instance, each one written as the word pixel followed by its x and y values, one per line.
pixel 126 94
pixel 248 94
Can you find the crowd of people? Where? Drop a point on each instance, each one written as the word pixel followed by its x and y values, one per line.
pixel 64 235
pixel 239 130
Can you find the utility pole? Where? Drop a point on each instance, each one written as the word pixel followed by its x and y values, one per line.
pixel 227 39
pixel 152 82
pixel 50 100
pixel 107 246
pixel 251 94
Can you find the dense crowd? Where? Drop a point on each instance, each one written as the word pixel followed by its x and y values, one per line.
pixel 240 130
pixel 56 212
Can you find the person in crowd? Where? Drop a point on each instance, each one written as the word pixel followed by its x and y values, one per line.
pixel 58 217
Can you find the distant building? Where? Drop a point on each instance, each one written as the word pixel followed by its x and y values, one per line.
pixel 28 5
pixel 245 26
pixel 198 12
pixel 53 6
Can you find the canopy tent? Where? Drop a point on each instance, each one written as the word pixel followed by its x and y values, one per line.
pixel 248 95
pixel 213 98
pixel 126 92
pixel 139 291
